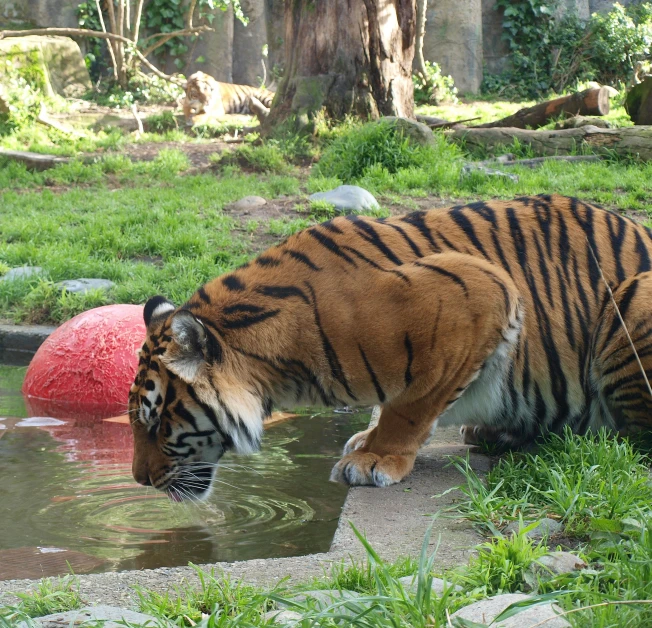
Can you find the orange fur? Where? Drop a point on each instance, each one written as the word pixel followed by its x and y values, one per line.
pixel 490 315
pixel 207 98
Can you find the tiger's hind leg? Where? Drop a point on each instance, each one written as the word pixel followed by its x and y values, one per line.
pixel 623 401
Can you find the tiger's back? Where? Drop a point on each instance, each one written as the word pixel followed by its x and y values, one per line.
pixel 494 315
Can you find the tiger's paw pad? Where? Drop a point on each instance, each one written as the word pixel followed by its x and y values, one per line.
pixel 356 441
pixel 367 469
pixel 479 434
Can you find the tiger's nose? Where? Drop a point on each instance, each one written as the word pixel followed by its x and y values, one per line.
pixel 141 474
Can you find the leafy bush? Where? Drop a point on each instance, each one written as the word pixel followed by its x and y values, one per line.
pixel 350 156
pixel 435 87
pixel 549 53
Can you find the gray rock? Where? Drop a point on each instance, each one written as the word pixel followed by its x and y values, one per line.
pixel 249 203
pixel 485 611
pixel 82 286
pixel 347 198
pixel 471 168
pixel 282 617
pixel 409 583
pixel 545 528
pixel 321 599
pixel 110 615
pixel 21 273
pixel 559 563
pixel 418 132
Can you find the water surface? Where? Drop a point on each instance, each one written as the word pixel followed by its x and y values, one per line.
pixel 67 495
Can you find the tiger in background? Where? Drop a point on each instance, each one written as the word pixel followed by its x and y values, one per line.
pixel 492 315
pixel 209 98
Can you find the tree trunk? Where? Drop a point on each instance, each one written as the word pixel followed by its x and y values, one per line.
pixel 628 141
pixel 248 42
pixel 639 102
pixel 590 102
pixel 419 63
pixel 347 57
pixel 275 12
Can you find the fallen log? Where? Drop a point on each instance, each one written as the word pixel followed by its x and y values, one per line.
pixel 633 141
pixel 590 102
pixel 441 123
pixel 34 161
pixel 537 161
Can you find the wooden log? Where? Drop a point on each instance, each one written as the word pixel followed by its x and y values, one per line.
pixel 633 141
pixel 590 102
pixel 33 161
pixel 538 161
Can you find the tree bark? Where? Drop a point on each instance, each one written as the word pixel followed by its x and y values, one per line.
pixel 639 102
pixel 628 141
pixel 419 63
pixel 347 57
pixel 590 102
pixel 248 42
pixel 274 13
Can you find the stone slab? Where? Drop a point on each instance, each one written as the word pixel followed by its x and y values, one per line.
pixel 18 343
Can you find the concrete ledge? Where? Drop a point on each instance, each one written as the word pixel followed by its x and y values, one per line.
pixel 19 343
pixel 393 519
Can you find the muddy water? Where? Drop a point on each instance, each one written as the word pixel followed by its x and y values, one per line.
pixel 67 496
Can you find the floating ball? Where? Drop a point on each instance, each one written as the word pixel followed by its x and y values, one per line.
pixel 87 365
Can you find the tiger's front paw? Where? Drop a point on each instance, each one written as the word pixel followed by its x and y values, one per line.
pixel 368 469
pixel 357 441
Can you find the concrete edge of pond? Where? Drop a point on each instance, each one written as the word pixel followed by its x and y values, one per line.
pixel 18 343
pixel 393 519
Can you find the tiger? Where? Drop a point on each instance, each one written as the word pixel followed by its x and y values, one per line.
pixel 204 96
pixel 501 317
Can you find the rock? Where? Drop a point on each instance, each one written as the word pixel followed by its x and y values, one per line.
pixel 109 615
pixel 282 617
pixel 559 563
pixel 58 60
pixel 248 203
pixel 409 583
pixel 545 528
pixel 347 198
pixel 416 131
pixel 322 599
pixel 579 121
pixel 471 168
pixel 21 273
pixel 485 611
pixel 83 286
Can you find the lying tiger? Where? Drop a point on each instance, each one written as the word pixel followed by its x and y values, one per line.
pixel 489 315
pixel 207 98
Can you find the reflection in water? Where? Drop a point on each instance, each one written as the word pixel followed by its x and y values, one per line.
pixel 67 485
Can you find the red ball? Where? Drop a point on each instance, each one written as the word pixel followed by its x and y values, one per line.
pixel 86 366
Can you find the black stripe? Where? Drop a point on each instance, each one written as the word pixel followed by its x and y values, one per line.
pixel 248 321
pixel 231 282
pixel 564 245
pixel 266 260
pixel 417 220
pixel 643 254
pixel 373 264
pixel 466 226
pixel 623 305
pixel 243 307
pixel 368 233
pixel 304 259
pixel 283 292
pixel 592 252
pixel 333 228
pixel 568 316
pixel 203 295
pixel 410 356
pixel 445 273
pixel 329 244
pixel 543 269
pixel 336 368
pixel 617 240
pixel 542 212
pixel 415 249
pixel 379 390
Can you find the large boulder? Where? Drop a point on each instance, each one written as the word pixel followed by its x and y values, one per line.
pixel 53 64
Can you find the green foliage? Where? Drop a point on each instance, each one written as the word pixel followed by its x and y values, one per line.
pixel 266 157
pixel 502 564
pixel 166 16
pixel 434 87
pixel 52 595
pixel 217 595
pixel 143 88
pixel 96 57
pixel 370 147
pixel 588 482
pixel 549 53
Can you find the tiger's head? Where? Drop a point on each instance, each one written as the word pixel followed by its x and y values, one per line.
pixel 200 93
pixel 191 402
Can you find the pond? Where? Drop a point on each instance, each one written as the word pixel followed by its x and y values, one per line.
pixel 67 496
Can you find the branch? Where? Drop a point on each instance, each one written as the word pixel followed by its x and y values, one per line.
pixel 137 18
pixel 110 45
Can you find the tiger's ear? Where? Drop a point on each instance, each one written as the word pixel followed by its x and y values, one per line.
pixel 193 347
pixel 155 309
